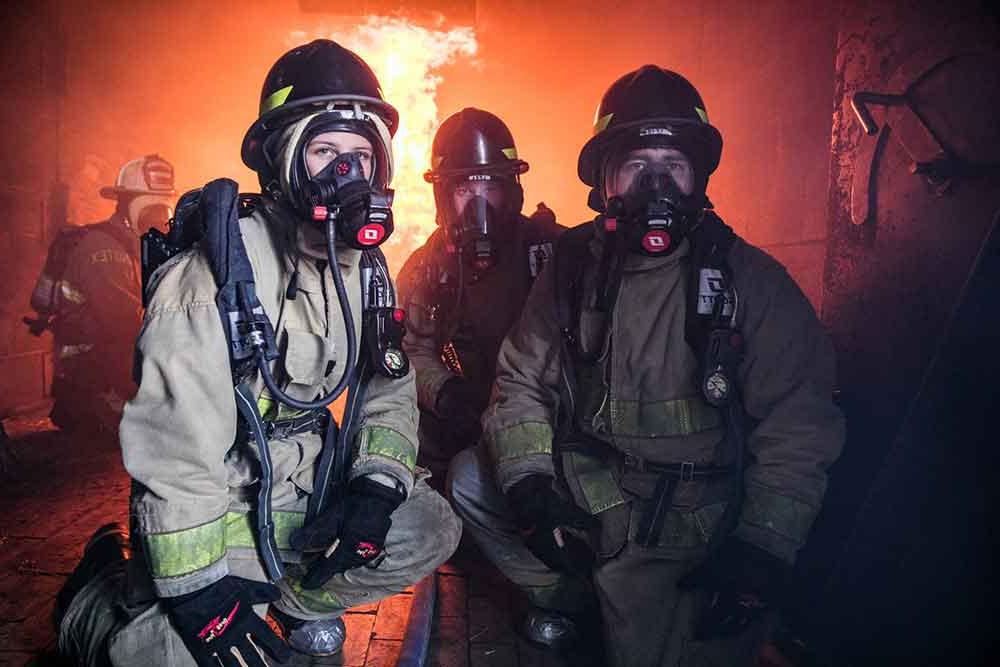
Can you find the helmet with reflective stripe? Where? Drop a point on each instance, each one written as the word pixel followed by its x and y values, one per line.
pixel 651 107
pixel 321 76
pixel 473 141
pixel 147 175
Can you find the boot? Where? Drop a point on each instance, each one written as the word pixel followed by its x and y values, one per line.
pixel 321 637
pixel 549 629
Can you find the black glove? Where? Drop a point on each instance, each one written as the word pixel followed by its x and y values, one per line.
pixel 552 528
pixel 744 580
pixel 454 405
pixel 219 618
pixel 357 527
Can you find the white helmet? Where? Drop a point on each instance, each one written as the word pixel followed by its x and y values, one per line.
pixel 148 175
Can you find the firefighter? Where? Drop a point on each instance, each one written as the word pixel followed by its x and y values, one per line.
pixel 465 287
pixel 239 496
pixel 88 295
pixel 662 419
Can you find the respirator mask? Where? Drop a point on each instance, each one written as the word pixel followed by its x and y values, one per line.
pixel 653 215
pixel 480 230
pixel 341 191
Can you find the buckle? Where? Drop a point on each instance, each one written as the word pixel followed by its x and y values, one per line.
pixel 687 471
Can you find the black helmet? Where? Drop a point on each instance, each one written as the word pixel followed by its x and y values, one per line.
pixel 308 79
pixel 651 106
pixel 473 141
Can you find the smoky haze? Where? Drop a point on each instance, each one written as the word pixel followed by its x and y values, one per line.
pixel 100 83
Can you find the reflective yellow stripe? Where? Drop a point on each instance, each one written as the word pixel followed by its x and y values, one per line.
pixel 701 114
pixel 272 410
pixel 275 99
pixel 382 441
pixel 510 153
pixel 319 600
pixel 241 531
pixel 653 419
pixel 597 483
pixel 521 440
pixel 185 551
pixel 600 124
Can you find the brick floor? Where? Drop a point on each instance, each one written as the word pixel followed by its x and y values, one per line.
pixel 57 490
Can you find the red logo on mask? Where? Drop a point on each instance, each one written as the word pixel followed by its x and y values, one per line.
pixel 656 241
pixel 371 234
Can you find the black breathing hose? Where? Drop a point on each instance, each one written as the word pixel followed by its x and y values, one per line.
pixel 352 338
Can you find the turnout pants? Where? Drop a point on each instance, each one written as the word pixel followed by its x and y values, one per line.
pixel 647 621
pixel 98 630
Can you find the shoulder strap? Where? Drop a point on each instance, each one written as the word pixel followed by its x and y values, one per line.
pixel 711 240
pixel 569 259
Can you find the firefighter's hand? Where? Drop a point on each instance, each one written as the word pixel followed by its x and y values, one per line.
pixel 219 627
pixel 554 529
pixel 361 537
pixel 744 582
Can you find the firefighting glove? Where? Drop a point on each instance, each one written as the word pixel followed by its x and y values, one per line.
pixel 351 535
pixel 744 582
pixel 218 624
pixel 454 406
pixel 553 529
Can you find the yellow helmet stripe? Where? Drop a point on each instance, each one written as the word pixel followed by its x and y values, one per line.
pixel 275 99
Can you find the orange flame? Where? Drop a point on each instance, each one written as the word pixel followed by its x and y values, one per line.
pixel 406 57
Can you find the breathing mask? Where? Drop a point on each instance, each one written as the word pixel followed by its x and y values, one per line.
pixel 480 229
pixel 653 215
pixel 363 216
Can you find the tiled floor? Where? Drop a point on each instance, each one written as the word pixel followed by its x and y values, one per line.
pixel 56 490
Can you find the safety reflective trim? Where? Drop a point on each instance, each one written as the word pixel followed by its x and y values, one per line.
pixel 272 410
pixel 240 530
pixel 70 293
pixel 382 441
pixel 660 419
pixel 601 124
pixel 510 153
pixel 67 351
pixel 597 483
pixel 318 600
pixel 275 99
pixel 521 440
pixel 701 114
pixel 185 551
pixel 788 517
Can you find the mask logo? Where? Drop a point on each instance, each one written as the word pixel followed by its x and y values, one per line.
pixel 371 235
pixel 656 241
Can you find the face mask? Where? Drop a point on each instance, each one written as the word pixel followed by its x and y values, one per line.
pixel 477 231
pixel 653 214
pixel 153 216
pixel 363 216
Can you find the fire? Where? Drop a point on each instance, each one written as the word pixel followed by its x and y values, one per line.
pixel 406 57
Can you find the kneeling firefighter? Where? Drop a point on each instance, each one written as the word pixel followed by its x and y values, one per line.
pixel 245 490
pixel 465 287
pixel 662 419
